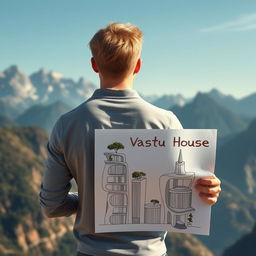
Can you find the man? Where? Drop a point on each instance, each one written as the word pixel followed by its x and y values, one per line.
pixel 116 58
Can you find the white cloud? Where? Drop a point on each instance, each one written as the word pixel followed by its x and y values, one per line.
pixel 242 23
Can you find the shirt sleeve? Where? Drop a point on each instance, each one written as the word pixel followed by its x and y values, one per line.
pixel 55 198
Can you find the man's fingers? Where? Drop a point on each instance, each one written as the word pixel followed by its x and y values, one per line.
pixel 208 199
pixel 212 190
pixel 210 181
pixel 209 189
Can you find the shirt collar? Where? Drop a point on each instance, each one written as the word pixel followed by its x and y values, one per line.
pixel 106 92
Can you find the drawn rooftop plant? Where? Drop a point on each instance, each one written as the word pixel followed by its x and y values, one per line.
pixel 116 146
pixel 138 175
pixel 154 201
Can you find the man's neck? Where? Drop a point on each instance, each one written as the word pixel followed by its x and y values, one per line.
pixel 117 84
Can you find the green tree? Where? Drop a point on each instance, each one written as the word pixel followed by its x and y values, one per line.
pixel 116 146
pixel 190 218
pixel 154 201
pixel 138 175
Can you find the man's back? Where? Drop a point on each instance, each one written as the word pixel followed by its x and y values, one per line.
pixel 73 135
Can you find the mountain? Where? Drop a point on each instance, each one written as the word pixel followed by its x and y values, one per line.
pixel 6 122
pixel 52 86
pixel 245 106
pixel 232 216
pixel 227 100
pixel 204 113
pixel 8 110
pixel 236 160
pixel 24 231
pixel 185 245
pixel 43 116
pixel 235 213
pixel 149 97
pixel 244 246
pixel 18 91
pixel 168 101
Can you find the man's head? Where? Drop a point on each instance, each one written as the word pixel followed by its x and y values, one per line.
pixel 116 50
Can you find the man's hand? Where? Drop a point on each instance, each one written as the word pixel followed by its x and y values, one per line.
pixel 209 189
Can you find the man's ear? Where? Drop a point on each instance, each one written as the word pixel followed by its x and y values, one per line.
pixel 94 65
pixel 137 67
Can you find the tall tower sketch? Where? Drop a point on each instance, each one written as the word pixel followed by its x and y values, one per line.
pixel 176 193
pixel 139 186
pixel 115 183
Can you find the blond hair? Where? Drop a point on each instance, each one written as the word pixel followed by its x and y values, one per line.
pixel 116 48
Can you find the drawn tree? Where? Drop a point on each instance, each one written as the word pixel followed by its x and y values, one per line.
pixel 154 201
pixel 138 175
pixel 116 146
pixel 190 218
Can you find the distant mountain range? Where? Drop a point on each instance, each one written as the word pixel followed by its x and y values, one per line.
pixel 244 246
pixel 237 160
pixel 245 106
pixel 43 116
pixel 167 101
pixel 6 122
pixel 205 113
pixel 202 112
pixel 18 91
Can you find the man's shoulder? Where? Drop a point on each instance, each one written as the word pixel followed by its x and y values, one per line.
pixel 154 113
pixel 74 113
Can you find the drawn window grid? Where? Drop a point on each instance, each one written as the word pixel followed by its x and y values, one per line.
pixel 119 210
pixel 116 179
pixel 117 169
pixel 116 158
pixel 117 219
pixel 181 182
pixel 116 187
pixel 180 200
pixel 118 200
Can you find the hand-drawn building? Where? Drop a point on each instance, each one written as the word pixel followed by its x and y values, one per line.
pixel 115 183
pixel 176 191
pixel 139 189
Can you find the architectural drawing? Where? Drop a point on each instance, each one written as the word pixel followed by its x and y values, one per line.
pixel 175 186
pixel 176 194
pixel 115 183
pixel 140 185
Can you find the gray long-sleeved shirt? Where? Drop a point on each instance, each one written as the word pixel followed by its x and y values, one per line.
pixel 71 155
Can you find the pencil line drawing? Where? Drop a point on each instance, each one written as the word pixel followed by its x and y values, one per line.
pixel 176 193
pixel 115 183
pixel 175 190
pixel 139 188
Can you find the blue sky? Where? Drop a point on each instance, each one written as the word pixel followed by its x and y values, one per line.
pixel 189 46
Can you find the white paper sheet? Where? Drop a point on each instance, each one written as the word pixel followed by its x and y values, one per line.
pixel 144 179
